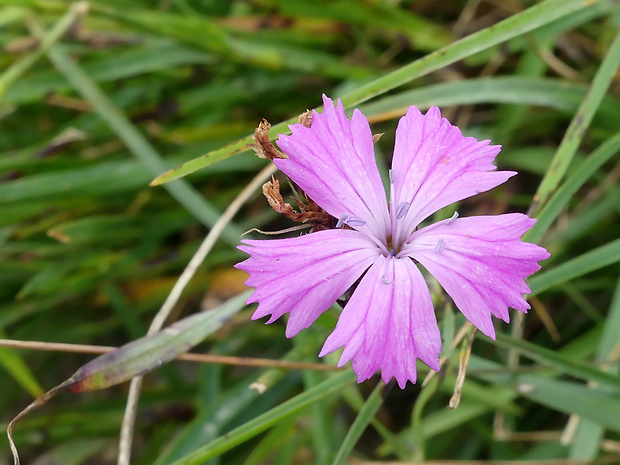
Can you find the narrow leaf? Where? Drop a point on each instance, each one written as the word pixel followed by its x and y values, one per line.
pixel 149 352
pixel 137 357
pixel 578 127
pixel 365 415
pixel 560 199
pixel 559 361
pixel 530 19
pixel 141 148
pixel 596 404
pixel 589 261
pixel 262 422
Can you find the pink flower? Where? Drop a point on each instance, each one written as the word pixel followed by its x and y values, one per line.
pixel 389 320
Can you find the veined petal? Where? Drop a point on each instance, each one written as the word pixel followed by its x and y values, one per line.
pixel 388 323
pixel 481 263
pixel 333 161
pixel 434 165
pixel 304 275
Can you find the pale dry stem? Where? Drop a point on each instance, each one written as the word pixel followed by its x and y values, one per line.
pixel 124 451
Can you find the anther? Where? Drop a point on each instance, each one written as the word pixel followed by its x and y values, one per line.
pixel 402 210
pixel 392 252
pixel 391 174
pixel 342 219
pixel 454 217
pixel 356 222
pixel 385 281
pixel 440 245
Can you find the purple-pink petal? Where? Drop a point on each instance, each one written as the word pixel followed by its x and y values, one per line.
pixel 388 323
pixel 434 165
pixel 304 275
pixel 481 263
pixel 333 161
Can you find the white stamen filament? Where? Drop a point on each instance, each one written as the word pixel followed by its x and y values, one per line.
pixel 454 217
pixel 342 220
pixel 440 246
pixel 391 174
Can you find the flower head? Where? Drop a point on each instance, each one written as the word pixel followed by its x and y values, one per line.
pixel 389 320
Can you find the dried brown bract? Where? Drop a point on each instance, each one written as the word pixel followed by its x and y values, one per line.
pixel 263 147
pixel 305 119
pixel 310 213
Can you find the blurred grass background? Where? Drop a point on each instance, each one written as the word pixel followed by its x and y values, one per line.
pixel 94 105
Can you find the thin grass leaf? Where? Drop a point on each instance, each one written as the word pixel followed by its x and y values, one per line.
pixel 95 180
pixel 137 357
pixel 136 142
pixel 600 405
pixel 537 91
pixel 588 218
pixel 75 452
pixel 12 14
pixel 578 127
pixel 565 364
pixel 363 418
pixel 8 77
pixel 530 66
pixel 445 420
pixel 539 387
pixel 268 419
pixel 590 261
pixel 204 33
pixel 590 433
pixel 424 34
pixel 209 422
pixel 144 354
pixel 322 427
pixel 521 23
pixel 270 447
pixel 196 30
pixel 562 196
pixel 596 404
pixel 530 19
pixel 147 58
pixel 13 362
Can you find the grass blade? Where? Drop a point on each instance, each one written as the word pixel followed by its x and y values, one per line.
pixel 149 352
pixel 561 362
pixel 530 19
pixel 14 364
pixel 364 417
pixel 47 40
pixel 526 21
pixel 267 419
pixel 562 196
pixel 589 433
pixel 136 142
pixel 589 261
pixel 578 127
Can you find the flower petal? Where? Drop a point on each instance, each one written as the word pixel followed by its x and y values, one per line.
pixel 434 165
pixel 388 323
pixel 304 275
pixel 481 263
pixel 333 161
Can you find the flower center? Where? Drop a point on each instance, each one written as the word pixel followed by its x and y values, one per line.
pixel 390 247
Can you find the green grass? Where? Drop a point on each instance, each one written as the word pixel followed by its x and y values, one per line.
pixel 96 105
